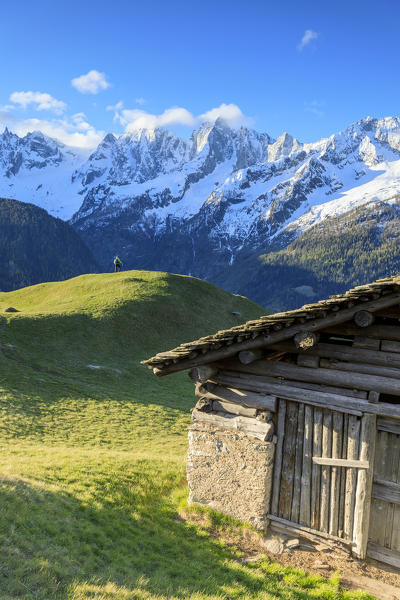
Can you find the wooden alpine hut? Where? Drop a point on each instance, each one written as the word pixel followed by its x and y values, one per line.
pixel 297 423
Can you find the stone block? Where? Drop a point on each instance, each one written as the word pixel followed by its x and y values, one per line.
pixel 230 472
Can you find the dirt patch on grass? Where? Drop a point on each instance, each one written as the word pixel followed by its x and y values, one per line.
pixel 382 581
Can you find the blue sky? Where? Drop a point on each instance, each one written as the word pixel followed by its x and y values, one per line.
pixel 243 60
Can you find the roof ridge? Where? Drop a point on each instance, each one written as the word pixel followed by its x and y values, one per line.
pixel 275 322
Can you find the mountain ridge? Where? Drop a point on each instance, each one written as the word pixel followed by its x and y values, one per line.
pixel 197 206
pixel 329 258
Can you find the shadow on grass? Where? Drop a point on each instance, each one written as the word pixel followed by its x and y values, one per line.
pixel 126 544
pixel 79 354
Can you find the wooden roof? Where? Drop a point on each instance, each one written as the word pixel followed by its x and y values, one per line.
pixel 276 327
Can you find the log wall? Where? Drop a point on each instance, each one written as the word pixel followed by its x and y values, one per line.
pixel 305 404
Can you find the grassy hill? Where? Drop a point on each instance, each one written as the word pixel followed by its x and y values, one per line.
pixel 35 246
pixel 92 447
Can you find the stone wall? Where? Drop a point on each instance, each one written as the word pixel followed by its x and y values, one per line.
pixel 230 472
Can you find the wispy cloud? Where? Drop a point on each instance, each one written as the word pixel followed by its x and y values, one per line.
pixel 134 119
pixel 308 36
pixel 40 100
pixel 141 101
pixel 116 109
pixel 91 83
pixel 315 107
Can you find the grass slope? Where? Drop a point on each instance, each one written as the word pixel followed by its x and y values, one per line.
pixel 92 459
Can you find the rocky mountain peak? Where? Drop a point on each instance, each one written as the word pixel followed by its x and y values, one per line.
pixel 224 190
pixel 284 145
pixel 109 140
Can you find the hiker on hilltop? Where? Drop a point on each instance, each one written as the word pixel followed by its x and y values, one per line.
pixel 117 264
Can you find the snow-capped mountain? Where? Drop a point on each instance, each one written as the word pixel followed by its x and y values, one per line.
pixel 195 206
pixel 38 169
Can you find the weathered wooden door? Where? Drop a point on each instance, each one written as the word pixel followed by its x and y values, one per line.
pixel 384 532
pixel 323 475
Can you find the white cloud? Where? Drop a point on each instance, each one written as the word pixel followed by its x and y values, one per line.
pixel 141 101
pixel 139 119
pixel 42 101
pixel 91 83
pixel 308 36
pixel 72 131
pixel 134 119
pixel 231 113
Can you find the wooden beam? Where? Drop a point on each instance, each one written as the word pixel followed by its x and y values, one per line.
pixel 336 377
pixel 213 391
pixel 333 318
pixel 305 360
pixel 345 404
pixel 385 555
pixel 305 495
pixel 316 470
pixel 363 318
pixel 234 409
pixel 304 385
pixel 301 528
pixel 361 341
pixel 393 312
pixel 342 476
pixel 307 385
pixel 352 367
pixel 364 486
pixel 334 401
pixel 288 461
pixel 341 352
pixel 388 425
pixel 340 462
pixel 380 332
pixel 280 432
pixel 202 373
pixel 293 531
pixel 386 490
pixel 353 441
pixel 261 431
pixel 389 346
pixel 337 439
pixel 295 512
pixel 248 356
pixel 326 470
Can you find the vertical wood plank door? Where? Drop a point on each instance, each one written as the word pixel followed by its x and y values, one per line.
pixel 384 531
pixel 323 473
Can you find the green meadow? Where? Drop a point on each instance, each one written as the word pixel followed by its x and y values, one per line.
pixel 92 448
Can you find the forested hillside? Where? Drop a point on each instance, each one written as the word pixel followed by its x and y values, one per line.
pixel 35 247
pixel 360 246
